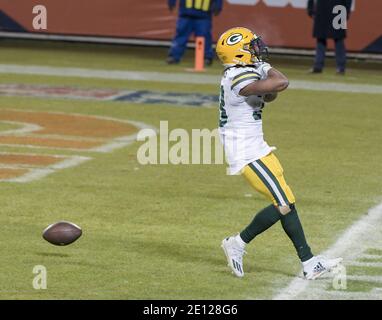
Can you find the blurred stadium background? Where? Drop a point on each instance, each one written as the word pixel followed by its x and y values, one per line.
pixel 73 96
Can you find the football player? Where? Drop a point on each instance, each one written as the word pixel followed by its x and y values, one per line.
pixel 247 83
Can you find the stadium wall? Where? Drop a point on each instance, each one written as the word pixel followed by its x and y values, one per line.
pixel 283 23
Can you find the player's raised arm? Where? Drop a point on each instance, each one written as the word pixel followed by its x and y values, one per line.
pixel 275 82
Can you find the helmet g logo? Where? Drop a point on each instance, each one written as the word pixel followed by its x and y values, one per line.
pixel 232 48
pixel 235 38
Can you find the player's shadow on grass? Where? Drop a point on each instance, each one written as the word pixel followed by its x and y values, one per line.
pixel 182 252
pixel 53 254
pixel 214 256
pixel 253 269
pixel 179 251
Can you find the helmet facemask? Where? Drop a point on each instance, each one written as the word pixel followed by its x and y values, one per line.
pixel 258 50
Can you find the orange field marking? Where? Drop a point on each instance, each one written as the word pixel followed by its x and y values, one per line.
pixel 70 124
pixel 59 131
pixel 16 167
pixel 28 159
pixel 50 142
pixel 7 173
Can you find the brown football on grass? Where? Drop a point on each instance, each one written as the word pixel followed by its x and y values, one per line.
pixel 62 233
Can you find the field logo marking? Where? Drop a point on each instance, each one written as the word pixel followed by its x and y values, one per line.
pixel 58 131
pixel 132 96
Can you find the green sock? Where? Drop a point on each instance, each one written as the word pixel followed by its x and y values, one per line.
pixel 261 222
pixel 293 228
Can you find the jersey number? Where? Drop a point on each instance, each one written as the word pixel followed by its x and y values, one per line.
pixel 223 113
pixel 257 114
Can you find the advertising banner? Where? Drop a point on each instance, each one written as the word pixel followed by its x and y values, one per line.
pixel 282 23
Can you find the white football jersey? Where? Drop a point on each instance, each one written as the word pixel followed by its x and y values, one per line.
pixel 240 124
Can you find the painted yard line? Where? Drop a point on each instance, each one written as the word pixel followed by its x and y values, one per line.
pixel 174 77
pixel 363 278
pixel 374 294
pixel 365 264
pixel 371 256
pixel 363 234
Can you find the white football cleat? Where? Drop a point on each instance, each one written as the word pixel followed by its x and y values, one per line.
pixel 319 265
pixel 234 253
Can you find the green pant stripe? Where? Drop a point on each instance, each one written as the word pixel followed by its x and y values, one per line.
pixel 274 179
pixel 265 183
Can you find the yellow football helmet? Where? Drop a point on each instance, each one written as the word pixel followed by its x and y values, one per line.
pixel 240 46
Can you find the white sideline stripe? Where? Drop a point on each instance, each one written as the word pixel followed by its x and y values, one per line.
pixel 271 183
pixel 335 86
pixel 174 78
pixel 167 43
pixel 350 244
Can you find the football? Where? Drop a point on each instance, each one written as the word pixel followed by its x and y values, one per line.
pixel 269 97
pixel 62 233
pixel 254 100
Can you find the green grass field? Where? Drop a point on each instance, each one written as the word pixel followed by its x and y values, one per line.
pixel 154 231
